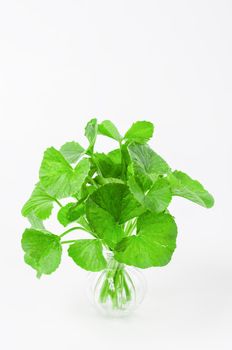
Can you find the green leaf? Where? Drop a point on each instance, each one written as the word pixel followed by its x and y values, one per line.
pixel 130 207
pixel 159 196
pixel 154 243
pixel 184 186
pixel 115 156
pixel 140 132
pixel 70 213
pixel 63 214
pixel 84 223
pixel 147 165
pixel 135 189
pixel 91 134
pixel 87 253
pixel 40 203
pixel 103 223
pixel 86 190
pixel 156 199
pixel 107 128
pixel 108 207
pixel 42 250
pixel 107 167
pixel 117 200
pixel 106 180
pixel 35 221
pixel 72 151
pixel 57 176
pixel 126 162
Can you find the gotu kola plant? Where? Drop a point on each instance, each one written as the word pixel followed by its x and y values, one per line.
pixel 119 198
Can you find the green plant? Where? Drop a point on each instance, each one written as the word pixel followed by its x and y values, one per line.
pixel 119 198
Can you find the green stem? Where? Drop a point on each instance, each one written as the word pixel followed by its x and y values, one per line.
pixel 56 200
pixel 72 229
pixel 94 160
pixel 92 182
pixel 70 241
pixel 75 196
pixel 130 228
pixel 123 163
pixel 115 286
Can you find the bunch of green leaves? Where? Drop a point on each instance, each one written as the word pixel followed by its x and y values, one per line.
pixel 119 198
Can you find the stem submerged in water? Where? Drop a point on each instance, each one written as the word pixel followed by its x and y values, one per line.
pixel 117 286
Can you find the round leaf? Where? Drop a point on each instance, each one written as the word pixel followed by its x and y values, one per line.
pixel 182 185
pixel 40 203
pixel 42 250
pixel 147 165
pixel 57 176
pixel 107 128
pixel 87 253
pixel 153 245
pixel 110 206
pixel 70 213
pixel 140 132
pixel 72 151
pixel 159 196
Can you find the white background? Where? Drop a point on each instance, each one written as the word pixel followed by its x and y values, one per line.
pixel 64 62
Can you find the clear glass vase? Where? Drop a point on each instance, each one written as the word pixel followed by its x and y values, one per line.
pixel 117 290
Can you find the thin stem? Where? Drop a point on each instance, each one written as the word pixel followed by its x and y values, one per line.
pixel 75 196
pixel 92 182
pixel 123 162
pixel 128 226
pixel 117 287
pixel 58 202
pixel 70 241
pixel 131 228
pixel 94 160
pixel 76 228
pixel 72 229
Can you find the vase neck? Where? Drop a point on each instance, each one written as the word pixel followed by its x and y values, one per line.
pixel 109 255
pixel 111 262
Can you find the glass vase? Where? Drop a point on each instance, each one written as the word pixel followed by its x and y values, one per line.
pixel 117 290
